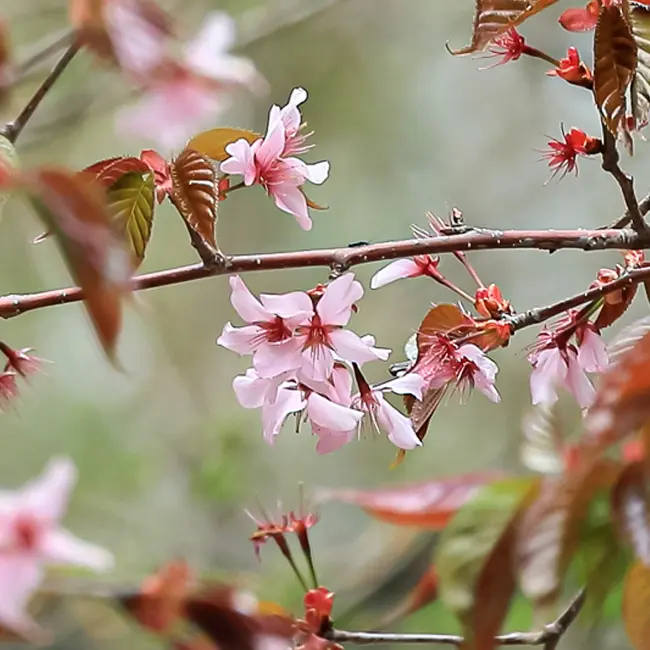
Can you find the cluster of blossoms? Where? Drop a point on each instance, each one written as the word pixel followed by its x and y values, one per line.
pixel 20 363
pixel 271 161
pixel 31 537
pixel 304 360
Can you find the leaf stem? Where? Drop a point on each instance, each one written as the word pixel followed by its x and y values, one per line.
pixel 12 130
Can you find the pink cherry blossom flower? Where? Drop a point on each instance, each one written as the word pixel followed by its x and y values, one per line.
pixel 21 361
pixel 30 536
pixel 182 98
pixel 421 265
pixel 8 388
pixel 264 163
pixel 592 350
pixel 272 321
pixel 293 125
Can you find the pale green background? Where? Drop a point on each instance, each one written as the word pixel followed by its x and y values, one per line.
pixel 168 460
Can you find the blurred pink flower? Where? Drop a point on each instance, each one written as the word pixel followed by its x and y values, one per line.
pixel 269 336
pixel 21 361
pixel 592 350
pixel 30 536
pixel 182 98
pixel 8 388
pixel 263 162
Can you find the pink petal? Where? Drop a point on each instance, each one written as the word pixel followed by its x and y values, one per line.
pixel 409 384
pixel 341 385
pixel 486 366
pixel 250 389
pixel 296 304
pixel 47 496
pixel 317 363
pixel 592 353
pixel 330 415
pixel 290 114
pixel 291 200
pixel 20 576
pixel 272 359
pixel 352 348
pixel 397 426
pixel 549 371
pixel 396 270
pixel 329 441
pixel 241 161
pixel 273 415
pixel 246 304
pixel 335 306
pixel 61 547
pixel 272 145
pixel 242 340
pixel 577 382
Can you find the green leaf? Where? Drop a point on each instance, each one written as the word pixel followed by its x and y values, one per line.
pixel 131 206
pixel 8 157
pixel 213 143
pixel 475 560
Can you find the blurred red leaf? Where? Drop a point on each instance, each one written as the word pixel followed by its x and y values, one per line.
pixel 636 606
pixel 94 252
pixel 614 306
pixel 629 499
pixel 615 59
pixel 160 169
pixel 194 193
pixel 108 172
pixel 549 529
pixel 492 17
pixel 424 593
pixel 6 67
pixel 426 504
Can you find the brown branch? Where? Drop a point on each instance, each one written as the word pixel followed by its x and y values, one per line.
pixel 549 637
pixel 41 52
pixel 625 181
pixel 341 259
pixel 13 129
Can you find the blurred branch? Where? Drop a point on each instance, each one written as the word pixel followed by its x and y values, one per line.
pixel 42 52
pixel 341 259
pixel 13 129
pixel 549 637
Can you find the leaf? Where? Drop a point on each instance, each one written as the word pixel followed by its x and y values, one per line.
pixel 493 17
pixel 640 89
pixel 8 163
pixel 94 252
pixel 108 172
pixel 543 446
pixel 614 306
pixel 194 193
pixel 475 560
pixel 426 504
pixel 627 338
pixel 424 593
pixel 615 57
pixel 629 502
pixel 622 403
pixel 636 606
pixel 549 531
pixel 441 319
pixel 131 206
pixel 213 143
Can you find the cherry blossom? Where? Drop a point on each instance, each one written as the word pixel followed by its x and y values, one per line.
pixel 592 350
pixel 573 70
pixel 264 163
pixel 420 265
pixel 564 155
pixel 31 535
pixel 8 388
pixel 293 125
pixel 508 46
pixel 181 98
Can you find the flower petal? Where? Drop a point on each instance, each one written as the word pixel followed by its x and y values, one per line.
pixel 242 340
pixel 577 382
pixel 47 495
pixel 317 363
pixel 335 306
pixel 351 347
pixel 62 547
pixel 246 304
pixel 409 384
pixel 273 359
pixel 274 414
pixel 397 426
pixel 592 352
pixel 288 305
pixel 549 371
pixel 250 389
pixel 290 199
pixel 330 415
pixel 396 270
pixel 241 161
pixel 317 173
pixel 329 441
pixel 20 576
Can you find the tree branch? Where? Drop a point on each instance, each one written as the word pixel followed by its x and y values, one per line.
pixel 13 129
pixel 548 637
pixel 341 259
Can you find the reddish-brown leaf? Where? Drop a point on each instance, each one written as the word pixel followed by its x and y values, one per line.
pixel 6 67
pixel 76 213
pixel 493 17
pixel 159 604
pixel 615 305
pixel 549 529
pixel 622 403
pixel 442 319
pixel 636 606
pixel 629 499
pixel 194 193
pixel 108 172
pixel 424 593
pixel 615 59
pixel 426 504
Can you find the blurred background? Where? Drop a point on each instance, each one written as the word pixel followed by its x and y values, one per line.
pixel 168 460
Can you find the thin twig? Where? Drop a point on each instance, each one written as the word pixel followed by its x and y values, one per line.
pixel 342 259
pixel 548 637
pixel 41 52
pixel 13 129
pixel 625 181
pixel 624 219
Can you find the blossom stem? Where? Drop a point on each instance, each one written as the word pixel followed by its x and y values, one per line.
pixel 538 54
pixel 13 129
